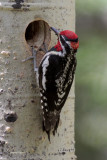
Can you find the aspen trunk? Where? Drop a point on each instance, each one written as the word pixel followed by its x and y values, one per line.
pixel 24 23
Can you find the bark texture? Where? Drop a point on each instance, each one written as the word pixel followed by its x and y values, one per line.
pixel 21 135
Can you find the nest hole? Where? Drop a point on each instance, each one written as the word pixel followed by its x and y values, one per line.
pixel 37 33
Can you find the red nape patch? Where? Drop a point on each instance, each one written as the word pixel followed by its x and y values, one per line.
pixel 58 46
pixel 69 34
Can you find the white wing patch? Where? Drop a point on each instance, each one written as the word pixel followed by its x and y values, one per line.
pixel 53 53
pixel 44 66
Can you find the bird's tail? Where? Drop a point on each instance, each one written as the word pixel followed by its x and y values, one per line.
pixel 51 123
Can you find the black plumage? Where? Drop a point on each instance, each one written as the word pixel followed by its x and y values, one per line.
pixel 56 74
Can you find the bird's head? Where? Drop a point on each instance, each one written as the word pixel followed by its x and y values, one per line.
pixel 69 37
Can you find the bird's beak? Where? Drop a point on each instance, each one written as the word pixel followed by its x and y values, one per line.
pixel 55 30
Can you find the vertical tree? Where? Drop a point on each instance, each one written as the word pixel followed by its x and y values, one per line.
pixel 23 23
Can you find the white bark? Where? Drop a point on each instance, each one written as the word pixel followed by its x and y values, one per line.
pixel 24 138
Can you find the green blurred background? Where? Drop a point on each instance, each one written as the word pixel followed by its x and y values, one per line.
pixel 91 80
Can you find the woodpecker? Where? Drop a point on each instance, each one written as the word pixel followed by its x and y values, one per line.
pixel 55 77
pixel 55 74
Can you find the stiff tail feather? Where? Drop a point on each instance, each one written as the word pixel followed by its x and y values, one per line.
pixel 49 126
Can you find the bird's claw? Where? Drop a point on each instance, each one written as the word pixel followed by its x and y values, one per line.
pixel 24 60
pixel 34 52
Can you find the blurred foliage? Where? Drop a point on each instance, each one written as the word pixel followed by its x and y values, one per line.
pixel 91 85
pixel 90 6
pixel 92 67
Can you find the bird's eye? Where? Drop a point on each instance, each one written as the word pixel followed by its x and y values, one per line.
pixel 74 40
pixel 66 38
pixel 71 40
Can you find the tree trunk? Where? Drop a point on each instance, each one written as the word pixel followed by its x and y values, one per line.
pixel 23 24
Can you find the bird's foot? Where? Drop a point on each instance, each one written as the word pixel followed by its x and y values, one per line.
pixel 44 48
pixel 24 60
pixel 34 52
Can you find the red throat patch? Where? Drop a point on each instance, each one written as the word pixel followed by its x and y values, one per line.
pixel 58 46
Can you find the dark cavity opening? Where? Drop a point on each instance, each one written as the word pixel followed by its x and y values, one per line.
pixel 10 117
pixel 37 33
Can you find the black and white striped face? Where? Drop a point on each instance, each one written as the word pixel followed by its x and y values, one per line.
pixel 67 38
pixel 65 41
pixel 65 45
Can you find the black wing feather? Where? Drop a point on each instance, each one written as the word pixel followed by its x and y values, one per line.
pixel 51 100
